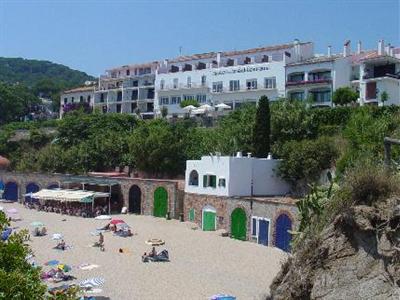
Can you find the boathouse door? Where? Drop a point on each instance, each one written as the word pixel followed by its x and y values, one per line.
pixel 160 202
pixel 11 191
pixel 263 226
pixel 31 188
pixel 209 216
pixel 283 237
pixel 135 200
pixel 238 224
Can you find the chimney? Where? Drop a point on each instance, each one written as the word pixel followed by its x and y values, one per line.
pixel 387 49
pixel 346 48
pixel 219 59
pixel 381 46
pixel 239 154
pixel 248 154
pixel 329 51
pixel 359 47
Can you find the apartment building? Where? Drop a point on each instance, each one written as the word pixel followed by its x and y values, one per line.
pixel 232 77
pixel 127 89
pixel 77 97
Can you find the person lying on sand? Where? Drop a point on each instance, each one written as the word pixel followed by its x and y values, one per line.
pixel 61 245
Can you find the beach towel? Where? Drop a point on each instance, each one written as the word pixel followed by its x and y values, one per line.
pixel 92 282
pixel 53 262
pixel 88 266
pixel 222 297
pixel 103 217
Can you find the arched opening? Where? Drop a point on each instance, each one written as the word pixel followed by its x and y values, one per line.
pixel 238 224
pixel 209 214
pixel 194 178
pixel 11 191
pixel 52 186
pixel 135 200
pixel 282 236
pixel 160 202
pixel 31 188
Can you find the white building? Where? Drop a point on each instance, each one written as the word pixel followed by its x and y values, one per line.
pixel 234 176
pixel 233 77
pixel 76 97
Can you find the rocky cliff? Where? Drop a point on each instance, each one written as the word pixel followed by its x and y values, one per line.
pixel 357 256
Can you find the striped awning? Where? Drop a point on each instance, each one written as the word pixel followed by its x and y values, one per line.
pixel 67 195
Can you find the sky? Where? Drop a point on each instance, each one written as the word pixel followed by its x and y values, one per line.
pixel 93 36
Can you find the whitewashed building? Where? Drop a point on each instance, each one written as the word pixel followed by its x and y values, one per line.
pixel 234 176
pixel 76 97
pixel 232 77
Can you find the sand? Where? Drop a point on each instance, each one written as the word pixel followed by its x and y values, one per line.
pixel 202 263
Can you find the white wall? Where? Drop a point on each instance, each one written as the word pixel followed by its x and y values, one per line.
pixel 392 87
pixel 240 176
pixel 265 180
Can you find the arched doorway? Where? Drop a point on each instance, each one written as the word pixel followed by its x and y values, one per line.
pixel 209 218
pixel 282 236
pixel 53 186
pixel 31 188
pixel 135 200
pixel 160 202
pixel 11 191
pixel 238 224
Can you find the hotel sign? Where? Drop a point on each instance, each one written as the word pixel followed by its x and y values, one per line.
pixel 240 70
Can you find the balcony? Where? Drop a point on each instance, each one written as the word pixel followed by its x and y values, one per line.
pixel 182 86
pixel 242 89
pixel 309 82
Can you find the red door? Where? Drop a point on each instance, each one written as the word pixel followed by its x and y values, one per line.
pixel 371 90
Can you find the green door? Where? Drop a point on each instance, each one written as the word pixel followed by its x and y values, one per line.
pixel 208 220
pixel 238 224
pixel 160 202
pixel 191 215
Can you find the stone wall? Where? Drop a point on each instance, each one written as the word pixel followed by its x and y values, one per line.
pixel 269 208
pixel 147 187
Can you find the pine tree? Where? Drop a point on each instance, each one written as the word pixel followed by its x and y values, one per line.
pixel 262 128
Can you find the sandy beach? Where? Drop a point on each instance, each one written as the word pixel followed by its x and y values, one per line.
pixel 202 263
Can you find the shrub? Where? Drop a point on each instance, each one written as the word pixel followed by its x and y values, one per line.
pixel 188 102
pixel 344 96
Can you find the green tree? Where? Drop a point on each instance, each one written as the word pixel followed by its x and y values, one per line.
pixel 164 111
pixel 344 96
pixel 384 97
pixel 262 129
pixel 188 102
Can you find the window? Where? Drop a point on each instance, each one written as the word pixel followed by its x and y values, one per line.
pixel 194 178
pixel 135 83
pixel 321 96
pixel 133 107
pixel 326 75
pixel 134 95
pixel 254 227
pixel 72 99
pixel 162 84
pixel 175 100
pixel 251 84
pixel 264 58
pixel 203 80
pixel 164 100
pixel 128 72
pixel 270 83
pixel 175 83
pixel 217 87
pixel 297 96
pixel 296 77
pixel 188 97
pixel 81 99
pixel 210 180
pixel 201 98
pixel 65 100
pixel 101 97
pixel 189 82
pixel 221 182
pixel 88 98
pixel 118 108
pixel 234 85
pixel 119 96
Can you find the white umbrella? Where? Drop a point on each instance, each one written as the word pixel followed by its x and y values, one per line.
pixel 189 108
pixel 223 106
pixel 57 236
pixel 206 107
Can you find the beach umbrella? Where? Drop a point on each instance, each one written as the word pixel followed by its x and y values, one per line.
pixel 189 108
pixel 12 211
pixel 155 242
pixel 92 282
pixel 1 208
pixel 57 236
pixel 206 107
pixel 116 221
pixel 223 106
pixel 37 224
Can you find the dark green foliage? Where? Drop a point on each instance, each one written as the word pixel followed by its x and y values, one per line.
pixel 185 103
pixel 344 96
pixel 304 160
pixel 262 129
pixel 40 74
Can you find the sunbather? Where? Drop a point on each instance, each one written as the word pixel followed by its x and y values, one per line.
pixel 61 245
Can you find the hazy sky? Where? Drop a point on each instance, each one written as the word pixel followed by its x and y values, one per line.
pixel 95 35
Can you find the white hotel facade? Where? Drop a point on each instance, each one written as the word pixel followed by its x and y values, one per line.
pixel 290 70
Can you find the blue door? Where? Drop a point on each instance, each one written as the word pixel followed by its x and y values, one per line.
pixel 283 237
pixel 31 188
pixel 11 191
pixel 263 226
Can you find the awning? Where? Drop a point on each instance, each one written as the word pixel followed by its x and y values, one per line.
pixel 68 195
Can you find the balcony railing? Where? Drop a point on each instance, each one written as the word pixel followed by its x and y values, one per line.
pixel 304 82
pixel 183 86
